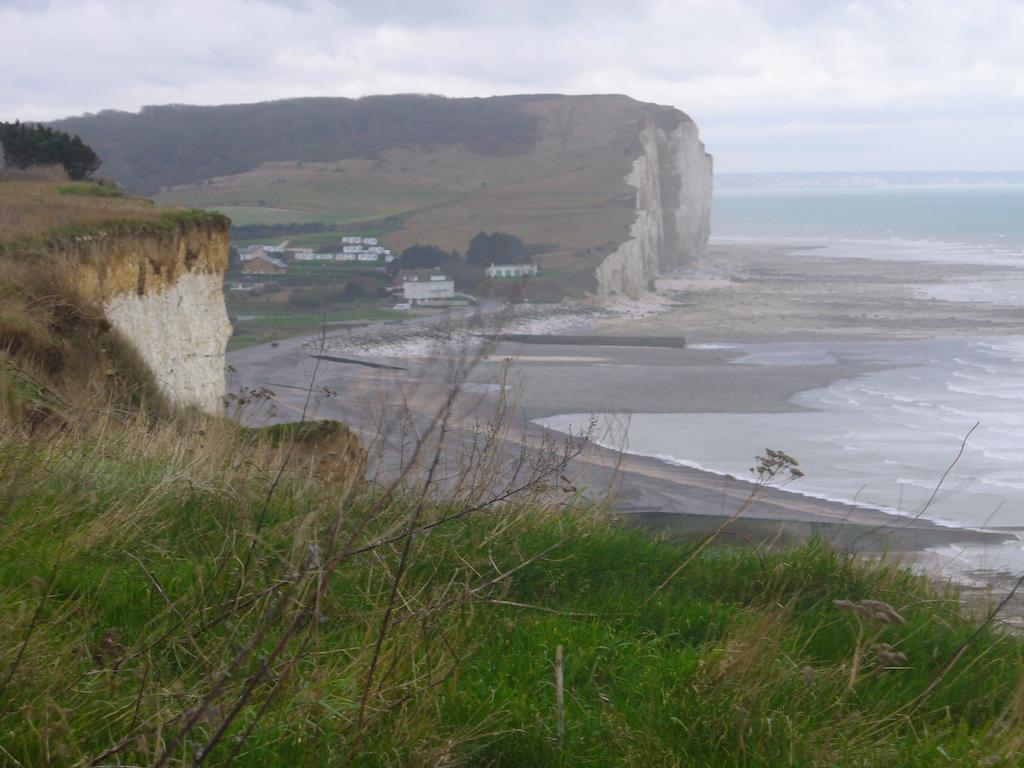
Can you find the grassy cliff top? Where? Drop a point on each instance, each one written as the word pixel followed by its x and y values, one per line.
pixel 40 205
pixel 174 595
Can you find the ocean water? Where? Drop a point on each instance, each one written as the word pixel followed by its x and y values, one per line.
pixel 883 439
pixel 887 438
pixel 954 215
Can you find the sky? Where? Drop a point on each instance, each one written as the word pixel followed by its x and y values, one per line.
pixel 774 85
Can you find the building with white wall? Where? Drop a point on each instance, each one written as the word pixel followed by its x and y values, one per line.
pixel 512 270
pixel 426 286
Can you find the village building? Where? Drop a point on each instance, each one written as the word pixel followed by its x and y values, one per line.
pixel 304 256
pixel 351 249
pixel 346 256
pixel 369 241
pixel 366 256
pixel 351 240
pixel 512 270
pixel 247 252
pixel 426 286
pixel 264 265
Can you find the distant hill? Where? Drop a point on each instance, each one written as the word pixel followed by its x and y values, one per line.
pixel 163 146
pixel 549 169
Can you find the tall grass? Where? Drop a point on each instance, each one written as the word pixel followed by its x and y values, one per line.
pixel 185 592
pixel 32 203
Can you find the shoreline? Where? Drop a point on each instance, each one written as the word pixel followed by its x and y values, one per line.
pixel 751 295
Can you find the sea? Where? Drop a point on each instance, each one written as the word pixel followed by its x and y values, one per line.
pixel 937 430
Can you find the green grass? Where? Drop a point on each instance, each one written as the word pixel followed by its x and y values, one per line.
pixel 742 660
pixel 301 196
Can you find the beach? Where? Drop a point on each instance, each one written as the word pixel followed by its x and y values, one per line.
pixel 763 323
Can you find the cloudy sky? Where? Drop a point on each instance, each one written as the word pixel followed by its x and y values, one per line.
pixel 773 84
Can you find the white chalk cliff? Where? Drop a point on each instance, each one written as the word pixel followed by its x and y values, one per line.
pixel 162 290
pixel 673 181
pixel 181 332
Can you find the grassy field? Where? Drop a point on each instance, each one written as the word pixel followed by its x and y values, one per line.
pixel 42 200
pixel 293 193
pixel 176 594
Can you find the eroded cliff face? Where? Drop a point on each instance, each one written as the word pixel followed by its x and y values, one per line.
pixel 162 290
pixel 673 181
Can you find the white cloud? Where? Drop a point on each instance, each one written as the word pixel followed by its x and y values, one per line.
pixel 883 83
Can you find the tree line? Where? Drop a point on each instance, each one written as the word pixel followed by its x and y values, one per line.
pixel 26 145
pixel 484 250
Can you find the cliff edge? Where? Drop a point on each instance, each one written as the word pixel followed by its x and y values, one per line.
pixel 162 289
pixel 673 181
pixel 95 270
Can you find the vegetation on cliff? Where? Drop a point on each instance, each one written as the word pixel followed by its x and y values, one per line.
pixel 40 208
pixel 66 252
pixel 27 146
pixel 182 591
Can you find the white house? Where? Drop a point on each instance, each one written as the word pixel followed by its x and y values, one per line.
pixel 512 270
pixel 369 241
pixel 346 256
pixel 351 249
pixel 351 240
pixel 366 256
pixel 426 286
pixel 299 256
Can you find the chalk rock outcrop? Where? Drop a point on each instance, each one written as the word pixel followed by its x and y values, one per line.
pixel 673 181
pixel 162 289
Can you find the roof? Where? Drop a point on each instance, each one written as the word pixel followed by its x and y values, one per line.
pixel 271 259
pixel 421 275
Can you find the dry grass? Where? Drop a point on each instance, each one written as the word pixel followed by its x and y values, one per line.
pixel 34 203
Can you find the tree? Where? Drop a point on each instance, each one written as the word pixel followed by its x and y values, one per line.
pixel 424 257
pixel 26 146
pixel 496 248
